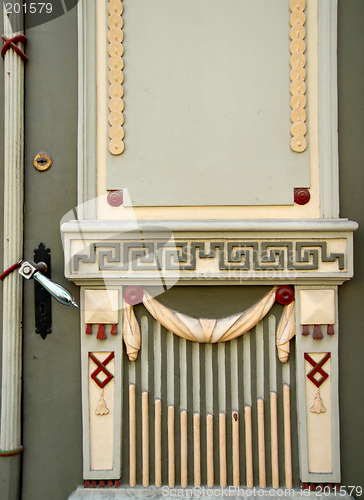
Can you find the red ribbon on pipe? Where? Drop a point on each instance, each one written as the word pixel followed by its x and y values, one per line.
pixel 9 270
pixel 10 43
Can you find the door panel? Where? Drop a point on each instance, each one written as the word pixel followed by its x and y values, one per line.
pixel 51 385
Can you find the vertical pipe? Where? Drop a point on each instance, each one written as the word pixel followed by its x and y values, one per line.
pixel 170 402
pixel 287 436
pixel 145 438
pixel 183 410
pixel 145 403
pixel 10 426
pixel 158 442
pixel 248 447
pixel 222 449
pixel 196 449
pixel 273 401
pixel 184 455
pixel 209 416
pixel 260 403
pixel 235 410
pixel 210 449
pixel 196 414
pixel 222 414
pixel 171 462
pixel 261 444
pixel 132 437
pixel 248 412
pixel 157 405
pixel 274 439
pixel 286 378
pixel 236 459
pixel 247 371
pixel 183 373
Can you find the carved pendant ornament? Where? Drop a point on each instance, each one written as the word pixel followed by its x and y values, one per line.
pixel 101 332
pixel 102 409
pixel 204 330
pixel 317 311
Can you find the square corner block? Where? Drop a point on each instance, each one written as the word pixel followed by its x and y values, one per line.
pixel 101 306
pixel 317 307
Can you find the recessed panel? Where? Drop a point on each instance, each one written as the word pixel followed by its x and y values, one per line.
pixel 207 104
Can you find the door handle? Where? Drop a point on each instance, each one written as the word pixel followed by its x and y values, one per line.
pixel 31 270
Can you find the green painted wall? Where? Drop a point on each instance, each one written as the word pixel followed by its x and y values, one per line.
pixel 351 298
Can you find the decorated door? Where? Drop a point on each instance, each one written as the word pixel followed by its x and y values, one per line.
pixel 181 173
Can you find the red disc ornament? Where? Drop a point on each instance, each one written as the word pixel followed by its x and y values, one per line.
pixel 284 295
pixel 301 196
pixel 115 198
pixel 133 295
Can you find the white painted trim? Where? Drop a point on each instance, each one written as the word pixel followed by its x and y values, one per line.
pixel 10 435
pixel 328 109
pixel 266 225
pixel 308 344
pixel 86 161
pixel 89 343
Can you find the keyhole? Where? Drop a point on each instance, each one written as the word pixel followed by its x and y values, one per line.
pixel 42 309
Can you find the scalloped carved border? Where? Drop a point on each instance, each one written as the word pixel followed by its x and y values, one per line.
pixel 115 38
pixel 298 75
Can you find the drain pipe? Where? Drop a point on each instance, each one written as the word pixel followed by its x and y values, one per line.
pixel 10 424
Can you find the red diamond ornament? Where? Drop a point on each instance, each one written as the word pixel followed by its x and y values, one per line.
pixel 317 368
pixel 101 367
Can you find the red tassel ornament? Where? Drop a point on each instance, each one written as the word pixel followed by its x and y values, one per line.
pixel 317 333
pixel 305 330
pixel 103 485
pixel 114 330
pixel 88 329
pixel 330 329
pixel 101 332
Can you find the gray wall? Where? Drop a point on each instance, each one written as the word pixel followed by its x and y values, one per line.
pixel 1 179
pixel 351 298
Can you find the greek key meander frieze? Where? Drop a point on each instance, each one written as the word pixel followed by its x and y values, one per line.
pixel 182 256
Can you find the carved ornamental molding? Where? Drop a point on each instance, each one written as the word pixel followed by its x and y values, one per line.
pixel 155 253
pixel 115 37
pixel 298 75
pixel 244 256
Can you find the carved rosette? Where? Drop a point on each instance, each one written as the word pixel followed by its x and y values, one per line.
pixel 116 77
pixel 298 75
